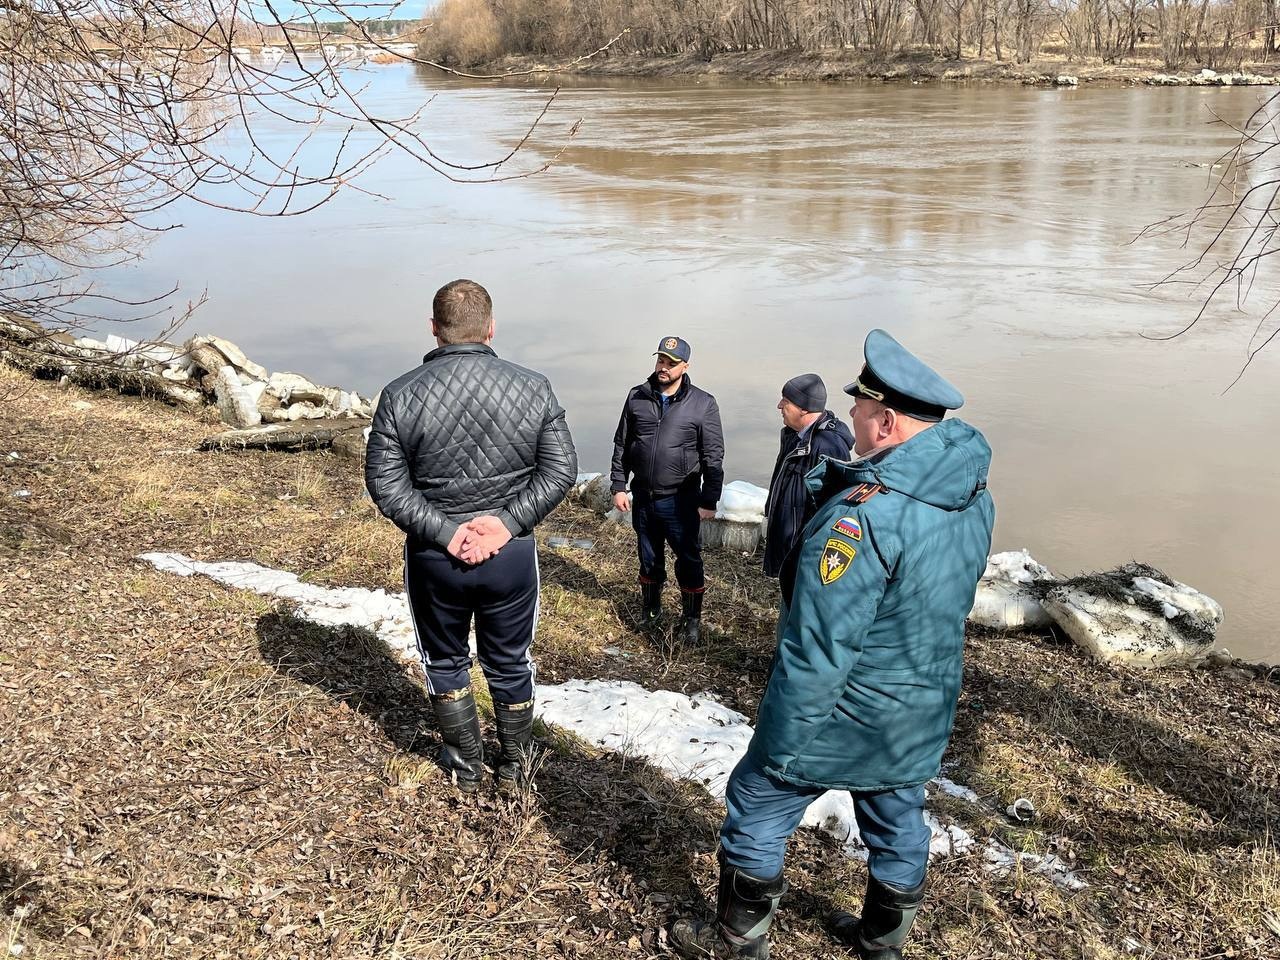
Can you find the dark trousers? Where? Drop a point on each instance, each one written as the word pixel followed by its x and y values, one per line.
pixel 669 520
pixel 762 813
pixel 501 594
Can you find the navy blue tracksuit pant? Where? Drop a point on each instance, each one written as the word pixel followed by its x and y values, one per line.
pixel 669 520
pixel 501 594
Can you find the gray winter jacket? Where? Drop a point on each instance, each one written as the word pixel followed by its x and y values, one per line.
pixel 467 434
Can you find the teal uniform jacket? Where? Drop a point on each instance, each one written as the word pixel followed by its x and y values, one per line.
pixel 868 669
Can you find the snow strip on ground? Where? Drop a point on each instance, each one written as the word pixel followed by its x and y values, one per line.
pixel 384 613
pixel 692 737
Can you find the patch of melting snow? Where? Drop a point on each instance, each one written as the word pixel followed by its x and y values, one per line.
pixel 953 789
pixel 697 737
pixel 702 740
pixel 386 614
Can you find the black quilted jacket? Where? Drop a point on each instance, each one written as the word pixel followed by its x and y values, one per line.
pixel 467 434
pixel 664 452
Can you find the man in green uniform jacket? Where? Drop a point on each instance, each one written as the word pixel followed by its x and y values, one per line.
pixel 868 666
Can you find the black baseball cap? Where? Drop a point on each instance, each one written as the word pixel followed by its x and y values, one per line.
pixel 675 349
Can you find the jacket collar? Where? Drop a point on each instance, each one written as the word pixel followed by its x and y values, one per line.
pixel 452 348
pixel 651 384
pixel 803 441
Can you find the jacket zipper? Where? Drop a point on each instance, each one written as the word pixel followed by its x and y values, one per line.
pixel 653 453
pixel 773 504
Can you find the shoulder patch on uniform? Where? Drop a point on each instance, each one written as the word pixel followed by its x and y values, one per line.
pixel 849 526
pixel 836 557
pixel 862 493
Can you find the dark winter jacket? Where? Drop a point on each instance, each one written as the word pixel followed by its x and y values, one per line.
pixel 868 666
pixel 789 505
pixel 467 434
pixel 667 452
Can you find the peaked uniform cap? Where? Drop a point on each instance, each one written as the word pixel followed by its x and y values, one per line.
pixel 902 381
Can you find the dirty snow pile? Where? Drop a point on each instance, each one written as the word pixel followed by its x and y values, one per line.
pixel 1009 593
pixel 1137 616
pixel 692 737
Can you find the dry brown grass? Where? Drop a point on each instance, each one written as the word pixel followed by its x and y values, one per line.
pixel 191 771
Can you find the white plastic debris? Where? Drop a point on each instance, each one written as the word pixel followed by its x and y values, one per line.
pixel 22 494
pixel 1021 810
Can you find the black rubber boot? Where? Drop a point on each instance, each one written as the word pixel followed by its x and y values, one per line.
pixel 463 754
pixel 745 906
pixel 887 915
pixel 691 625
pixel 515 734
pixel 650 602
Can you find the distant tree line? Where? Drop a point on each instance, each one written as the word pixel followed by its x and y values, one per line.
pixel 1216 33
pixel 385 27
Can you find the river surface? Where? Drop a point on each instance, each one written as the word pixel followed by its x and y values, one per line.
pixel 987 227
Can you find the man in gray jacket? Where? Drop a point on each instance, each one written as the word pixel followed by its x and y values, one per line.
pixel 467 454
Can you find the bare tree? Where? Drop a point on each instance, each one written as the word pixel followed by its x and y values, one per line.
pixel 1235 232
pixel 957 8
pixel 1173 19
pixel 110 110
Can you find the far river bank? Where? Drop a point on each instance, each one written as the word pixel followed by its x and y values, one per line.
pixel 851 65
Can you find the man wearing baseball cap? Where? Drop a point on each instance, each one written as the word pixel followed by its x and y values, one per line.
pixel 670 447
pixel 869 660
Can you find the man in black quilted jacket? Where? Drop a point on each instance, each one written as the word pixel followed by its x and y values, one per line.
pixel 467 454
pixel 670 443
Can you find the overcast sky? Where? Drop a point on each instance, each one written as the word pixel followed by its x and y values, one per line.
pixel 407 10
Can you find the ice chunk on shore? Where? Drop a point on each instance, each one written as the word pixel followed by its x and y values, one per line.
pixel 1137 616
pixel 1008 596
pixel 742 501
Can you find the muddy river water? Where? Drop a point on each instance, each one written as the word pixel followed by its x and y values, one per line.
pixel 987 227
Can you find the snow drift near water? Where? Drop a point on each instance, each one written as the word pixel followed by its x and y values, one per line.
pixel 692 737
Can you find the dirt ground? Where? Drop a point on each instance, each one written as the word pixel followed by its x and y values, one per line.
pixel 190 771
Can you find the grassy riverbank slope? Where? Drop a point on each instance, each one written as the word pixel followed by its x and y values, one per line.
pixel 191 771
pixel 835 65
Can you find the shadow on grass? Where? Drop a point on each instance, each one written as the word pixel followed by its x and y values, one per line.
pixel 652 836
pixel 352 666
pixel 647 830
pixel 1236 805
